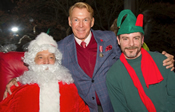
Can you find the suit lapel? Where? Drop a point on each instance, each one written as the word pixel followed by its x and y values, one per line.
pixel 71 47
pixel 100 60
pixel 73 55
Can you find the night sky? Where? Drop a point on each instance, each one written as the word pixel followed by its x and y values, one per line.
pixel 7 5
pixel 167 44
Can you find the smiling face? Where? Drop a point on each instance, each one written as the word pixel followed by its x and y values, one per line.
pixel 44 57
pixel 131 44
pixel 81 22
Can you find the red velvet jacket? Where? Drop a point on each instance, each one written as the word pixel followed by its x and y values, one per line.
pixel 25 98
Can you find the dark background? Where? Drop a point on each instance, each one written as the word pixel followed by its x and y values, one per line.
pixel 35 16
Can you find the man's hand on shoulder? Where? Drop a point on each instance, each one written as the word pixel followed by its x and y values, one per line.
pixel 8 86
pixel 169 62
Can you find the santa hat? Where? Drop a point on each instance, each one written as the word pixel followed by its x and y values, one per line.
pixel 130 23
pixel 42 42
pixel 42 39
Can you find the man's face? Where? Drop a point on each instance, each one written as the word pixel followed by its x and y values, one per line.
pixel 81 23
pixel 44 57
pixel 131 44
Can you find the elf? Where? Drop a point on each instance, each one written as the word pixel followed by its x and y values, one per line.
pixel 138 82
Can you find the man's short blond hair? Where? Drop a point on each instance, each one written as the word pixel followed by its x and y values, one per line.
pixel 82 5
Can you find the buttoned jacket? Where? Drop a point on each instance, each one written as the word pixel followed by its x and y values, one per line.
pixel 88 86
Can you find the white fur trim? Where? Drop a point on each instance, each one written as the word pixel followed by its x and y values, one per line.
pixel 56 72
pixel 30 55
pixel 42 42
pixel 49 97
pixel 42 39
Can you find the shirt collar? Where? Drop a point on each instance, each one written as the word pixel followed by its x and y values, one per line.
pixel 87 40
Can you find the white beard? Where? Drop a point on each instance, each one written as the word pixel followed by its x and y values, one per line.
pixel 42 74
pixel 47 77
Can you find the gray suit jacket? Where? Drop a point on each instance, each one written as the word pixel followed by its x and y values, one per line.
pixel 88 86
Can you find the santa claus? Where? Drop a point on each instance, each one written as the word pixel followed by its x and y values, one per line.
pixel 47 86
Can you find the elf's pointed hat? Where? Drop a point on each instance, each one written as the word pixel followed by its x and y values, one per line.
pixel 130 23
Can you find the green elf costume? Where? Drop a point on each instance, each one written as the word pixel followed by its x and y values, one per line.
pixel 142 84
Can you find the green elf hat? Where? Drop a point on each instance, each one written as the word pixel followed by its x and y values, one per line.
pixel 130 24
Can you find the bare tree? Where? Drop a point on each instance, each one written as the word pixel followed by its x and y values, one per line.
pixel 105 12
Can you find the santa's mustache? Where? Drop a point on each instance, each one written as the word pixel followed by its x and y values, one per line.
pixel 44 68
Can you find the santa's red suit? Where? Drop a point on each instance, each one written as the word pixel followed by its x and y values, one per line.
pixel 25 98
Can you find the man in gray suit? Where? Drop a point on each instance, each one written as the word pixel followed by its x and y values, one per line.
pixel 89 54
pixel 89 64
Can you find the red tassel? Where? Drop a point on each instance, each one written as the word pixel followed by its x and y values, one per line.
pixel 139 21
